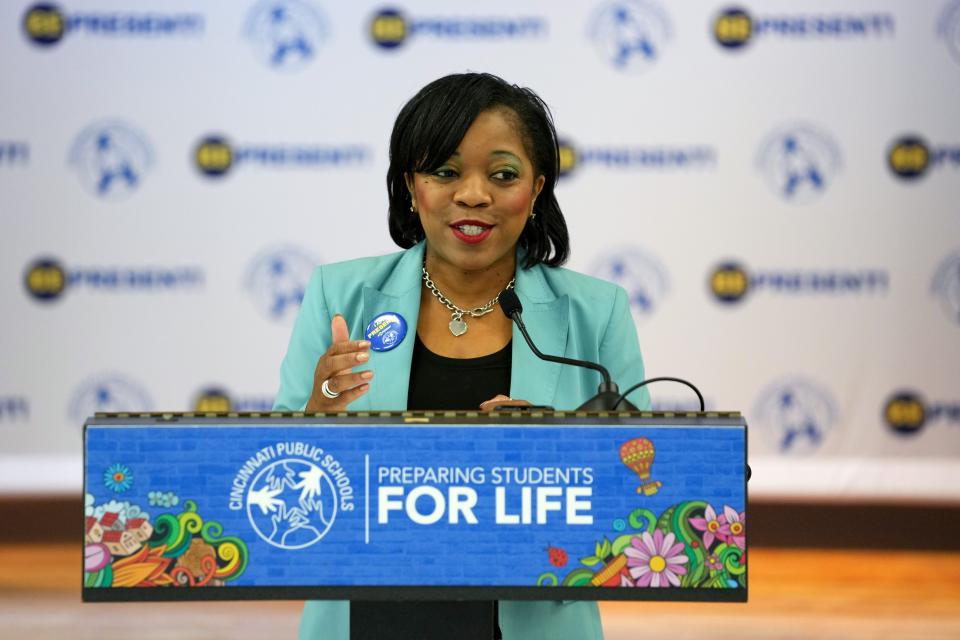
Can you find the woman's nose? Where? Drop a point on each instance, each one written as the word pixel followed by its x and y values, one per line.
pixel 473 191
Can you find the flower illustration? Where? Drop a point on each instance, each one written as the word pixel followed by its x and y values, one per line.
pixel 159 498
pixel 710 524
pixel 655 561
pixel 735 527
pixel 118 478
pixel 713 563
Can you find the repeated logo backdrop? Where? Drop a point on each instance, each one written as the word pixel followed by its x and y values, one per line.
pixel 775 184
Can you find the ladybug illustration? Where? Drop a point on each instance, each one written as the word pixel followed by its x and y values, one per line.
pixel 558 557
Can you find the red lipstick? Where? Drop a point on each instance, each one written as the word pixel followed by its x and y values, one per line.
pixel 471 231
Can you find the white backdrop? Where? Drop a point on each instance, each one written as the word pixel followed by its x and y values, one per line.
pixel 819 160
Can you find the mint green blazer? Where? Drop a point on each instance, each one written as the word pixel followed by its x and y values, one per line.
pixel 566 313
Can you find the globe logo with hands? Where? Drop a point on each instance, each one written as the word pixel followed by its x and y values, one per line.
pixel 292 504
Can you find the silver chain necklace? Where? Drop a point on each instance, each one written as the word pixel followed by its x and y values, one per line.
pixel 458 325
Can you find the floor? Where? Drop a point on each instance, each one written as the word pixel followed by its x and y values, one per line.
pixel 793 594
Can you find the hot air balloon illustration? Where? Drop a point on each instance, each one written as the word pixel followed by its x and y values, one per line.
pixel 638 454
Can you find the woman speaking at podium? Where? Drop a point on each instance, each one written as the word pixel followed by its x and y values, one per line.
pixel 473 167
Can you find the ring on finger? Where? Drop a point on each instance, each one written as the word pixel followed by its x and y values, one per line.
pixel 327 392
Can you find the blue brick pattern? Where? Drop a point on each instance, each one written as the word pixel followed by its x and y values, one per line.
pixel 199 464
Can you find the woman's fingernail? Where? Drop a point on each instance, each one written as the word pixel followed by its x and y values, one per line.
pixel 366 375
pixel 363 357
pixel 363 344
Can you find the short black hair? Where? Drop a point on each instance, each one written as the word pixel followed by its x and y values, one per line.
pixel 429 129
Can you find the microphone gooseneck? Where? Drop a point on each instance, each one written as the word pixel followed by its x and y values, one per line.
pixel 608 394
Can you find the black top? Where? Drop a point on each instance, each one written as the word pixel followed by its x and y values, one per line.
pixel 459 384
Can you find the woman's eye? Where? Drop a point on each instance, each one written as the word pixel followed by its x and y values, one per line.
pixel 444 173
pixel 505 175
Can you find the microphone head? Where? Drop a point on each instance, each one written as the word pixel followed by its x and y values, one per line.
pixel 510 303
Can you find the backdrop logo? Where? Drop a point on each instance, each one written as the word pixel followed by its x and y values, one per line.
pixel 14 153
pixel 948 28
pixel 946 285
pixel 910 157
pixel 630 35
pixel 795 414
pixel 214 156
pixel 735 27
pixel 643 276
pixel 216 399
pixel 567 157
pixel 111 158
pixel 46 24
pixel 46 279
pixel 14 408
pixel 277 279
pixel 292 492
pixel 109 393
pixel 390 28
pixel 636 158
pixel 730 282
pixel 285 33
pixel 798 162
pixel 907 413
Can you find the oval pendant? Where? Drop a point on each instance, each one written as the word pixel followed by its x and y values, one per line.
pixel 458 327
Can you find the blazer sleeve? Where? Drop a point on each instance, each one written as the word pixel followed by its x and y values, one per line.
pixel 308 341
pixel 620 351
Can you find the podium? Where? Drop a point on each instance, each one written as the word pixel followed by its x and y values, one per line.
pixel 415 506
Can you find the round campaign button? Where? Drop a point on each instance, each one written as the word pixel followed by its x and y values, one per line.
pixel 386 331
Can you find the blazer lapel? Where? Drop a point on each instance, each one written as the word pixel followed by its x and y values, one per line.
pixel 546 317
pixel 391 369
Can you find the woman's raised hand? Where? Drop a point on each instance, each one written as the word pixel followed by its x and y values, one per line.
pixel 335 369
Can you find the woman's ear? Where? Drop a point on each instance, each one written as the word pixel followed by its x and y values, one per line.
pixel 537 188
pixel 410 188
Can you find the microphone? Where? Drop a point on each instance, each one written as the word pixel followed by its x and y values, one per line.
pixel 608 396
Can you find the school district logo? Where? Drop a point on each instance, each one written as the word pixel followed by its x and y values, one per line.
pixel 109 393
pixel 285 33
pixel 291 492
pixel 948 28
pixel 292 504
pixel 642 275
pixel 798 162
pixel 946 285
pixel 630 34
pixel 277 280
pixel 111 158
pixel 796 415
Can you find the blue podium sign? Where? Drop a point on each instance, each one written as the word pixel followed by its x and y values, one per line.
pixel 395 506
